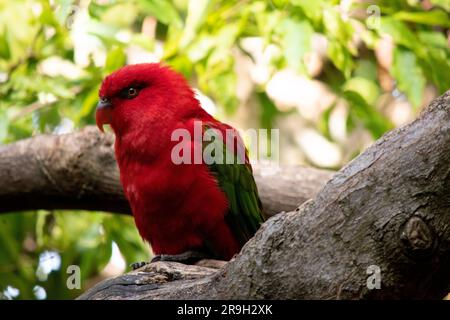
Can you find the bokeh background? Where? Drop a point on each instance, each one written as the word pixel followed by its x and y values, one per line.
pixel 332 76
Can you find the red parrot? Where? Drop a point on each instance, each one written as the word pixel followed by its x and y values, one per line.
pixel 184 210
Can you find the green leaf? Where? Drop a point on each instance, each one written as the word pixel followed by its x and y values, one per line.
pixel 324 121
pixel 89 102
pixel 433 38
pixel 269 112
pixel 48 118
pixel 123 231
pixel 340 57
pixel 201 48
pixel 367 114
pixel 5 52
pixel 432 18
pixel 10 249
pixel 226 85
pixel 121 15
pixel 97 10
pixel 116 58
pixel 442 3
pixel 409 75
pixel 162 10
pixel 196 15
pixel 312 9
pixel 296 41
pixel 400 33
pixel 338 29
pixel 142 41
pixel 224 40
pixel 3 125
pixel 439 68
pixel 106 33
pixel 366 69
pixel 364 87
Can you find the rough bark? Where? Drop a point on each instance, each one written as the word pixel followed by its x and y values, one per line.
pixel 79 171
pixel 389 208
pixel 153 281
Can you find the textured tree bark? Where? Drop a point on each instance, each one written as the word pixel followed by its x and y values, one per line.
pixel 79 171
pixel 386 214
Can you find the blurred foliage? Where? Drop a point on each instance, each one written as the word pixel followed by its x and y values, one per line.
pixel 53 55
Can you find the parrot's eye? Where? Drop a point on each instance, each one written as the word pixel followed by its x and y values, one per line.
pixel 132 92
pixel 129 93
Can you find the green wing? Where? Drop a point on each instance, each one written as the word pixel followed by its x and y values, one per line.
pixel 236 180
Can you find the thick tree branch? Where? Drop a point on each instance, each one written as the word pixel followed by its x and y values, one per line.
pixel 389 209
pixel 79 171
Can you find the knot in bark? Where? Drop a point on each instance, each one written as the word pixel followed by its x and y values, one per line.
pixel 417 237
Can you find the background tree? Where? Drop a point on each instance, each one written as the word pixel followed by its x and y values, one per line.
pixel 333 76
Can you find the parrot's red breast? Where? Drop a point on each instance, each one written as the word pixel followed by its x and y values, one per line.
pixel 177 207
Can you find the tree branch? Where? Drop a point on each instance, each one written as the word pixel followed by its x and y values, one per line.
pixel 79 171
pixel 388 210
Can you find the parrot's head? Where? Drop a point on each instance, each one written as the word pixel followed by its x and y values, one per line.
pixel 142 94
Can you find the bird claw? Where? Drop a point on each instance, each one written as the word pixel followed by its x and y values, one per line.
pixel 137 265
pixel 188 257
pixel 156 258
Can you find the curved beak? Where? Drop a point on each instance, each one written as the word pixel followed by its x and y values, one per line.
pixel 103 113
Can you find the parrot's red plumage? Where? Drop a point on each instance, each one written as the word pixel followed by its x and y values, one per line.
pixel 177 207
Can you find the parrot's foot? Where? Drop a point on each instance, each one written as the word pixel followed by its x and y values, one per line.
pixel 188 257
pixel 137 265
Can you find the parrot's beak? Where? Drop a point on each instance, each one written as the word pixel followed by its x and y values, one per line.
pixel 103 114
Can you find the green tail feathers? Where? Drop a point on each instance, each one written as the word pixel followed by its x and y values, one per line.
pixel 236 180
